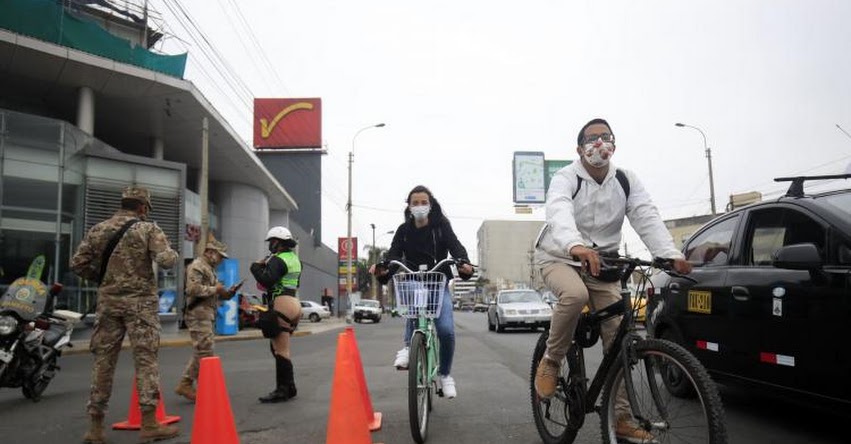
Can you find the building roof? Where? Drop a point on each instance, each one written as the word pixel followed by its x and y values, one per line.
pixel 132 107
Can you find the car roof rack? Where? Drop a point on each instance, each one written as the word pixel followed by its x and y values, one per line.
pixel 797 187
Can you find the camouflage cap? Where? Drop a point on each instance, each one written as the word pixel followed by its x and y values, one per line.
pixel 137 193
pixel 215 245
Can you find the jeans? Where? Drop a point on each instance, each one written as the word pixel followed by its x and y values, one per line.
pixel 445 326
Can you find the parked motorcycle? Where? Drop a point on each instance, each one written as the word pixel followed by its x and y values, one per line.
pixel 32 333
pixel 250 307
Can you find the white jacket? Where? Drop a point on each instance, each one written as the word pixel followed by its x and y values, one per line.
pixel 594 218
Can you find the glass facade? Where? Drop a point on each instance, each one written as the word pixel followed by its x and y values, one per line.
pixel 56 182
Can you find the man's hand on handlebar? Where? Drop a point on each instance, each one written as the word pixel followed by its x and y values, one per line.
pixel 589 258
pixel 465 268
pixel 682 266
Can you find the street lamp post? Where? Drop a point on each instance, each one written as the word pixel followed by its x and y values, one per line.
pixel 374 260
pixel 709 161
pixel 349 212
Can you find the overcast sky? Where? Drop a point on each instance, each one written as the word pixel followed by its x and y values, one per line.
pixel 461 85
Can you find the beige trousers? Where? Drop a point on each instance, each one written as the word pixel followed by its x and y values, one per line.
pixel 574 291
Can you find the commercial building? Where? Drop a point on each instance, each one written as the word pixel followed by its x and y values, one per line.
pixel 86 109
pixel 505 251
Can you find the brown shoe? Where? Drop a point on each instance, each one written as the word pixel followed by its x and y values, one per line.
pixel 185 389
pixel 95 434
pixel 546 378
pixel 152 430
pixel 628 431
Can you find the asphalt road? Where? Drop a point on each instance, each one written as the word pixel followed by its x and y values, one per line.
pixel 491 370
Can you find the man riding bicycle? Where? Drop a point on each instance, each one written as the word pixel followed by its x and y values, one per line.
pixel 586 205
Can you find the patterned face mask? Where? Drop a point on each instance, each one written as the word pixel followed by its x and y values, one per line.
pixel 420 212
pixel 598 155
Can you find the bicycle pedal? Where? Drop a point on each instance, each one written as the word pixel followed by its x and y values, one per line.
pixel 440 393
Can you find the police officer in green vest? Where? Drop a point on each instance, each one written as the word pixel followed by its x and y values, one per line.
pixel 280 273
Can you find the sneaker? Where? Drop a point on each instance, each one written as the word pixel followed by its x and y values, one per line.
pixel 628 431
pixel 448 385
pixel 546 378
pixel 401 362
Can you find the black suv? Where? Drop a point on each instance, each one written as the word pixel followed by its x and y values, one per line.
pixel 771 298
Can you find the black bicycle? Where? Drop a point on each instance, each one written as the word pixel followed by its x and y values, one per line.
pixel 670 394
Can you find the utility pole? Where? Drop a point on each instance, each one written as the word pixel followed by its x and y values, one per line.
pixel 205 198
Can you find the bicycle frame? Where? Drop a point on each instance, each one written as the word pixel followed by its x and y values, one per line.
pixel 425 326
pixel 620 347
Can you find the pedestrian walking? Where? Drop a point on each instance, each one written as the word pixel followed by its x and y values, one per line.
pixel 119 253
pixel 202 292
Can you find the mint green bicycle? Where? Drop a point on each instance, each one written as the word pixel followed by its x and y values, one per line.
pixel 419 295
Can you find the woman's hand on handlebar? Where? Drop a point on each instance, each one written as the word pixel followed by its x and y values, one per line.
pixel 589 258
pixel 465 268
pixel 379 270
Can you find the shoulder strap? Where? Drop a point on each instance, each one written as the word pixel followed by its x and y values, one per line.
pixel 578 186
pixel 621 177
pixel 110 247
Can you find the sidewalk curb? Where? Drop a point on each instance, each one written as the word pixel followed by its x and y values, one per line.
pixel 82 346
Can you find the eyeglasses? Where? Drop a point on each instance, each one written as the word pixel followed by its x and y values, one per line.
pixel 604 137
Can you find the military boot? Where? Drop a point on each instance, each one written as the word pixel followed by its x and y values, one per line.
pixel 95 434
pixel 284 384
pixel 185 389
pixel 152 430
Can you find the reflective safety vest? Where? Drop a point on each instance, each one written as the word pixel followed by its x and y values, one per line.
pixel 289 281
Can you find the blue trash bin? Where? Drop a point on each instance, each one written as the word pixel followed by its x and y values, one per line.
pixel 227 322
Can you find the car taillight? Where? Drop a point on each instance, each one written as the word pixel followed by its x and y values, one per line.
pixel 650 292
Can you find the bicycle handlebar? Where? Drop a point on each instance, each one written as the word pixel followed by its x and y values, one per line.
pixel 433 269
pixel 665 264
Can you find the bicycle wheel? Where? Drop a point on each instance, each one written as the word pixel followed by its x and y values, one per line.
pixel 553 416
pixel 666 416
pixel 419 388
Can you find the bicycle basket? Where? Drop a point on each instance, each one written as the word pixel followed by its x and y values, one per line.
pixel 419 294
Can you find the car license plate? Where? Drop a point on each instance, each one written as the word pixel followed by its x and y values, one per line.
pixel 5 356
pixel 700 301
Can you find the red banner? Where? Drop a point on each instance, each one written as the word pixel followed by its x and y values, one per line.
pixel 344 248
pixel 287 123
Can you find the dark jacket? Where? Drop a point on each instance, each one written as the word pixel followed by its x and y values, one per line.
pixel 425 246
pixel 270 274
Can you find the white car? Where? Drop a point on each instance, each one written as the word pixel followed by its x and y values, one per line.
pixel 518 308
pixel 314 311
pixel 367 309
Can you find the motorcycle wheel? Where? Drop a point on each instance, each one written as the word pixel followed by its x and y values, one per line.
pixel 33 389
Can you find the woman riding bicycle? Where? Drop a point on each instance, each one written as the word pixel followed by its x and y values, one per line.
pixel 425 238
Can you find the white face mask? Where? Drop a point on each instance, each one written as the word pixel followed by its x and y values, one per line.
pixel 598 156
pixel 420 212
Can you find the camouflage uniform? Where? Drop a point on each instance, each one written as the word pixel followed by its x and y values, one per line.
pixel 201 283
pixel 127 300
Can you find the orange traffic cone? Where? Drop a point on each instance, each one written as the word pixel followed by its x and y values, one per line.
pixel 373 418
pixel 213 422
pixel 134 414
pixel 344 427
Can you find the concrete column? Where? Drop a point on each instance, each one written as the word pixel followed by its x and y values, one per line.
pixel 86 110
pixel 243 222
pixel 159 148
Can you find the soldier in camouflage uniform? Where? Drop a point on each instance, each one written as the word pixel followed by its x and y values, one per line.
pixel 127 303
pixel 202 289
